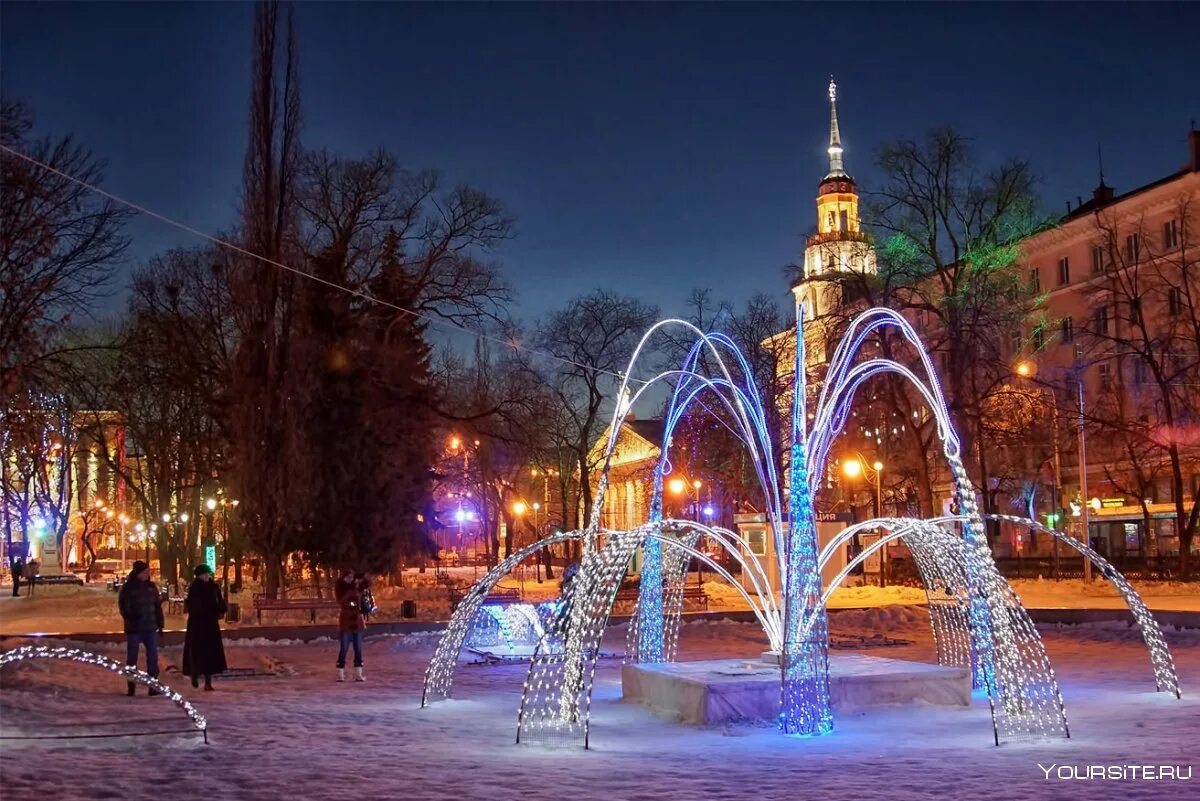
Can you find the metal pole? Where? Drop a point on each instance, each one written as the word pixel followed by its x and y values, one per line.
pixel 1056 489
pixel 1083 487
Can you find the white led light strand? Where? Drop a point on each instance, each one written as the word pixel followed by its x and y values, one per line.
pixel 127 672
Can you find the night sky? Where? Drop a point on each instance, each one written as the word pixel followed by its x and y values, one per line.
pixel 645 148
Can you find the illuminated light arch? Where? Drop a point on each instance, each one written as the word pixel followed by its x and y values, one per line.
pixel 1006 653
pixel 128 672
pixel 439 676
pixel 556 699
pixel 647 642
pixel 1022 704
pixel 1009 656
pixel 1165 677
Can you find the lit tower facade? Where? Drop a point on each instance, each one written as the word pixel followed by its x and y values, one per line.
pixel 839 248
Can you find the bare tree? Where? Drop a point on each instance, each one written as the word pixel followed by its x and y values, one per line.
pixel 58 245
pixel 952 262
pixel 264 393
pixel 1143 339
pixel 592 338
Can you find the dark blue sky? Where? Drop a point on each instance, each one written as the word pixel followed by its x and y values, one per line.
pixel 646 148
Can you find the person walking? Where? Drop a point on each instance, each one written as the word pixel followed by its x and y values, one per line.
pixel 203 651
pixel 30 573
pixel 16 566
pixel 141 610
pixel 351 621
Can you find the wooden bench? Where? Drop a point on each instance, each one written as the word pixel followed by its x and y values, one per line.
pixel 264 604
pixel 175 604
pixel 502 595
pixel 498 596
pixel 691 592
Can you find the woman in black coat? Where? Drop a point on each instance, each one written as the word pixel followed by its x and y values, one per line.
pixel 203 653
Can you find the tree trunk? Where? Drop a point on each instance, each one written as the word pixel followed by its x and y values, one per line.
pixel 273 579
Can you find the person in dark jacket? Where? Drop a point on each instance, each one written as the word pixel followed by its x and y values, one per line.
pixel 16 566
pixel 141 609
pixel 203 652
pixel 351 622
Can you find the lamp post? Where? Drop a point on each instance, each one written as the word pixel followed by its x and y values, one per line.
pixel 1027 368
pixel 123 519
pixel 1083 487
pixel 140 528
pixel 537 535
pixel 854 467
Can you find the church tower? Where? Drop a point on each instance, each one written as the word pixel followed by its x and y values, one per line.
pixel 839 246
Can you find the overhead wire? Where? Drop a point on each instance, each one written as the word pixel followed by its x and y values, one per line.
pixel 432 320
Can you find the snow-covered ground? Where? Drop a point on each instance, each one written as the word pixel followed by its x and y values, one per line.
pixel 94 609
pixel 302 736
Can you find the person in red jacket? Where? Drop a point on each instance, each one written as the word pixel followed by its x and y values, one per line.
pixel 351 621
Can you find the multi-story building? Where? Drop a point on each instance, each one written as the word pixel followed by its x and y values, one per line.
pixel 1116 304
pixel 1120 310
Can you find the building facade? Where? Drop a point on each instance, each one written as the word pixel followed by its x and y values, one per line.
pixel 1119 316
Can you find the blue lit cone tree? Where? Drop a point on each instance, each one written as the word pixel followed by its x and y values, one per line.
pixel 804 662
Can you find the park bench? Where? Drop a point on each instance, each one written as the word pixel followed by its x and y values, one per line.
pixel 627 596
pixel 264 604
pixel 175 604
pixel 498 596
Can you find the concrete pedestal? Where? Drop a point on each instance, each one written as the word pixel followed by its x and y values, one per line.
pixel 727 690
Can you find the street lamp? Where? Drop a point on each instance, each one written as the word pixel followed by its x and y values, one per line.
pixel 857 466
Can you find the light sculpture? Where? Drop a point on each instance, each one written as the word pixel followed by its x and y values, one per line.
pixel 977 618
pixel 127 672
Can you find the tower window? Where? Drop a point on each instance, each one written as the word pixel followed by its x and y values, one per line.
pixel 845 221
pixel 1064 271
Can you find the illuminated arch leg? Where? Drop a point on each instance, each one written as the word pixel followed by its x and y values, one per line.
pixel 556 699
pixel 128 672
pixel 1165 677
pixel 439 676
pixel 1023 693
pixel 942 574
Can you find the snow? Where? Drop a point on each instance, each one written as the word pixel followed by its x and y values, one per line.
pixel 304 736
pixel 93 608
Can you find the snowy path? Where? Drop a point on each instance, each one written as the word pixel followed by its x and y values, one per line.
pixel 305 737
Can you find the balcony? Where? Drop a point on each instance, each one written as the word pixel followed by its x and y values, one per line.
pixel 840 236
